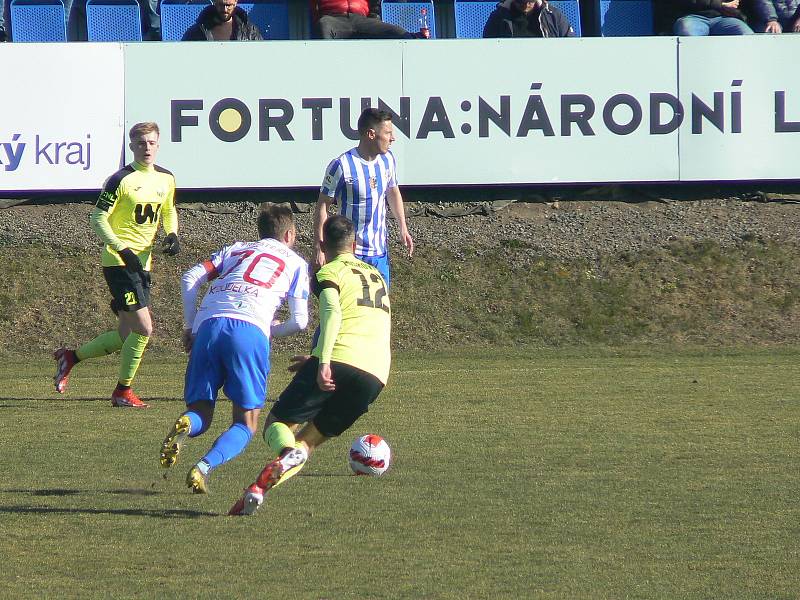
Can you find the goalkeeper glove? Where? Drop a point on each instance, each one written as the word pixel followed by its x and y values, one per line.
pixel 171 246
pixel 132 262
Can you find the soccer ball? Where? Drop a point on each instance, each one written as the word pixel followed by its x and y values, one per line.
pixel 370 455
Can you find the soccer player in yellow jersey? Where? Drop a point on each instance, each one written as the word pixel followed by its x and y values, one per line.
pixel 347 370
pixel 133 202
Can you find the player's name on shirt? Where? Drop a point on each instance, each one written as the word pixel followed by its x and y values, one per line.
pixel 247 289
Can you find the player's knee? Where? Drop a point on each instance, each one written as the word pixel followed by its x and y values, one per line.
pixel 143 327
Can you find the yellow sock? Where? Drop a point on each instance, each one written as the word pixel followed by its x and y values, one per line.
pixel 132 350
pixel 278 436
pixel 105 343
pixel 293 471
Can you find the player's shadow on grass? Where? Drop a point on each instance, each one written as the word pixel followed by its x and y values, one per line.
pixel 172 513
pixel 62 492
pixel 66 492
pixel 4 401
pixel 54 399
pixel 46 492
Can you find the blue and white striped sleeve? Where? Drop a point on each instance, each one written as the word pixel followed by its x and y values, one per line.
pixel 333 175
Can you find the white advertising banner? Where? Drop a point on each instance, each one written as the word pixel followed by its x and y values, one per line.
pixel 273 114
pixel 544 111
pixel 741 98
pixel 256 115
pixel 61 115
pixel 466 111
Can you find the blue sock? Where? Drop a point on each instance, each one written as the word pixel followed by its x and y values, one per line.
pixel 229 445
pixel 198 426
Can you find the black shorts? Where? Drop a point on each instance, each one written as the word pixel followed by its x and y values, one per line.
pixel 331 412
pixel 130 290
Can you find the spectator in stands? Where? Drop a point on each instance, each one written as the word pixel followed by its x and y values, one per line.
pixel 223 21
pixel 151 20
pixel 356 20
pixel 710 17
pixel 776 16
pixel 527 18
pixel 3 34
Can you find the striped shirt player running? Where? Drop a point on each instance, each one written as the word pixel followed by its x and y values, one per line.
pixel 228 336
pixel 362 181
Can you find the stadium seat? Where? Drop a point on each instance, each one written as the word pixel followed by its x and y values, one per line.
pixel 571 10
pixel 625 18
pixel 37 21
pixel 178 15
pixel 113 21
pixel 409 15
pixel 272 18
pixel 471 17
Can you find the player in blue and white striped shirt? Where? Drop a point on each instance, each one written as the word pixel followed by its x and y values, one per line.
pixel 362 181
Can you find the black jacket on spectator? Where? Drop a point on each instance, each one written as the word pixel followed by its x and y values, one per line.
pixel 669 11
pixel 508 21
pixel 705 8
pixel 243 28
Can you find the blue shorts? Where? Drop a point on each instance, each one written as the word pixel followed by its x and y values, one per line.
pixel 379 262
pixel 232 355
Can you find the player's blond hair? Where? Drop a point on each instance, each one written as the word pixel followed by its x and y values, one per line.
pixel 141 129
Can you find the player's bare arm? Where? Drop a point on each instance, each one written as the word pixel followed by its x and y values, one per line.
pixel 320 216
pixel 395 200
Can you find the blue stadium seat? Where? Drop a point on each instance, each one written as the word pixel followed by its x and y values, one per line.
pixel 37 21
pixel 113 21
pixel 409 15
pixel 272 18
pixel 571 10
pixel 471 17
pixel 178 15
pixel 625 18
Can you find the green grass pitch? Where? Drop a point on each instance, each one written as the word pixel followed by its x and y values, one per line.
pixel 528 474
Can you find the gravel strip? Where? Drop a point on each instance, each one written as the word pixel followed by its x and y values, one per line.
pixel 563 230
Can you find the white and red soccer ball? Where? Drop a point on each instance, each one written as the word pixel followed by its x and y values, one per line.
pixel 370 455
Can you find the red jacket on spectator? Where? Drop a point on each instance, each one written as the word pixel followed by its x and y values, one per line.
pixel 342 7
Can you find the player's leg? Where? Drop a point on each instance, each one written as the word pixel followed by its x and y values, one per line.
pixel 192 423
pixel 104 344
pixel 298 403
pixel 298 449
pixel 335 413
pixel 135 330
pixel 243 351
pixel 288 463
pixel 132 297
pixel 204 377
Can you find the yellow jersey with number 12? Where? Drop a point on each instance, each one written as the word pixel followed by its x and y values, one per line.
pixel 364 334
